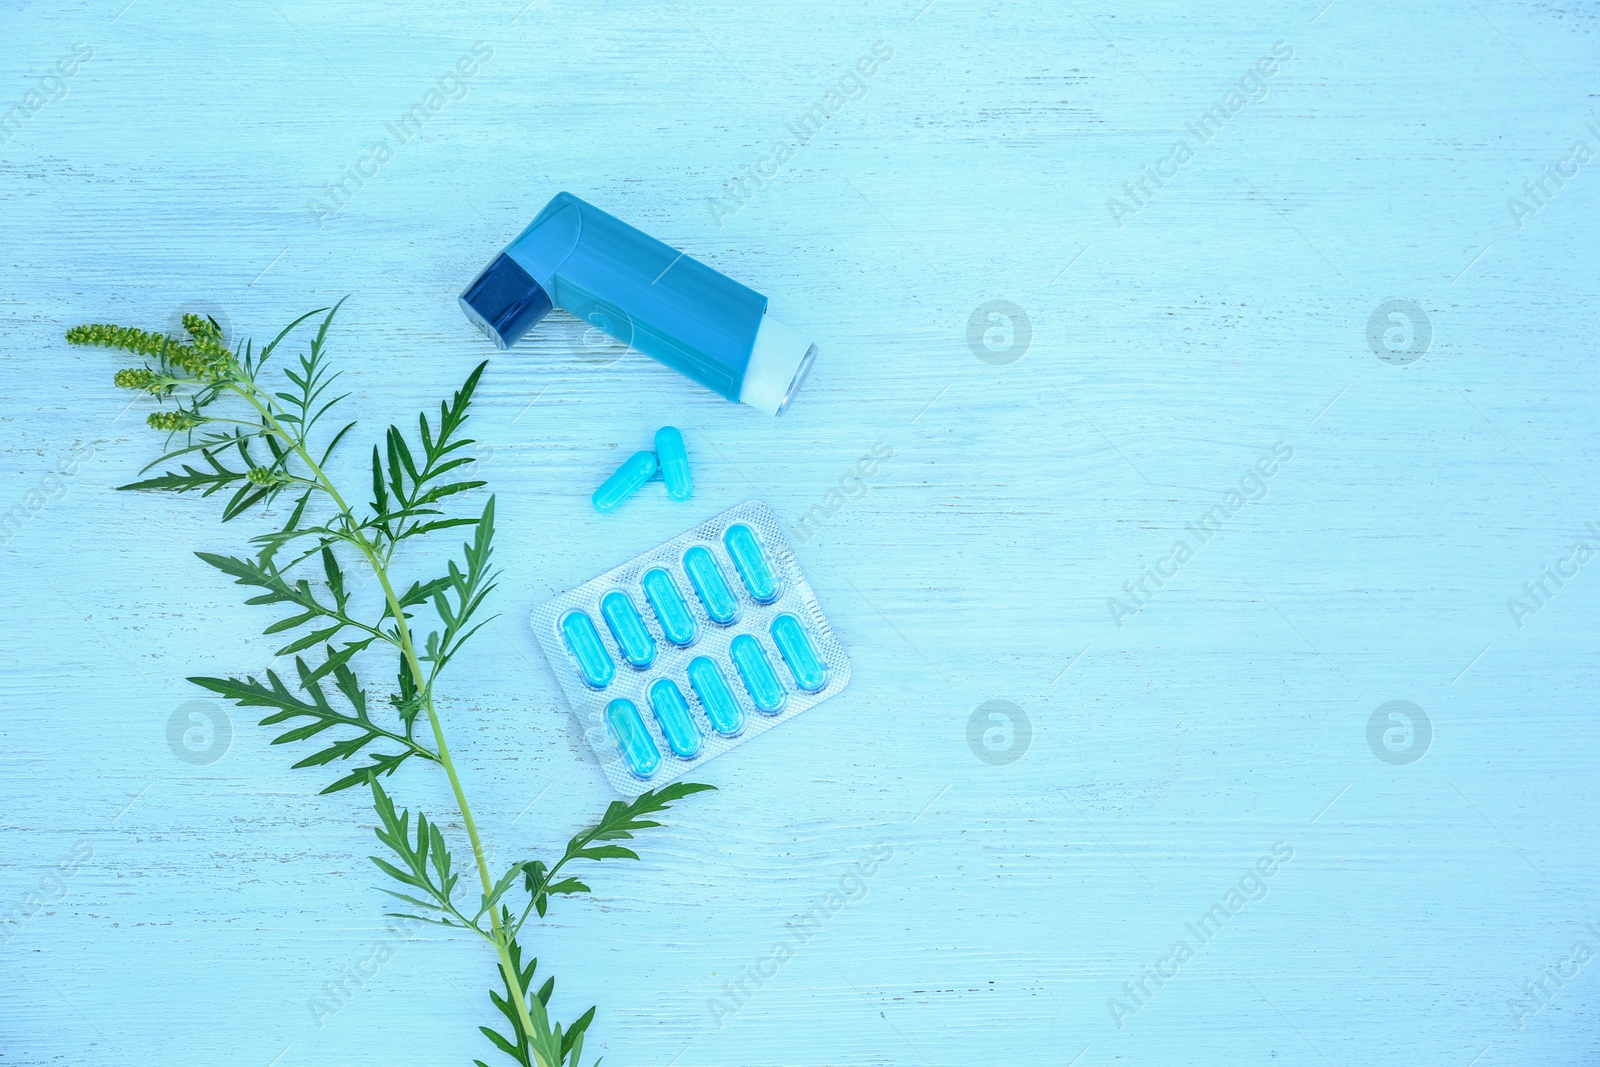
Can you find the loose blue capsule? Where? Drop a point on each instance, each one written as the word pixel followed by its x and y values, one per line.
pixel 710 585
pixel 638 647
pixel 752 563
pixel 722 710
pixel 634 472
pixel 638 747
pixel 674 463
pixel 766 692
pixel 594 662
pixel 671 611
pixel 810 673
pixel 672 712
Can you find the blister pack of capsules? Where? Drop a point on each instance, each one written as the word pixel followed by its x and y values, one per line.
pixel 692 648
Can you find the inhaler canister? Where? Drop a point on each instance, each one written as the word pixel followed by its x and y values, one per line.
pixel 646 294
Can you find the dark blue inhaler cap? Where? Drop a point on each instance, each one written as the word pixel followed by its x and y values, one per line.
pixel 505 301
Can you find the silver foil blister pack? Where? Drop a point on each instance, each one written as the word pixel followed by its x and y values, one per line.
pixel 691 648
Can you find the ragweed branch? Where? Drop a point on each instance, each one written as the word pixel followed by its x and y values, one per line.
pixel 254 442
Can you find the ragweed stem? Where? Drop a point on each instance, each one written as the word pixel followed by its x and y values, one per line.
pixel 534 1019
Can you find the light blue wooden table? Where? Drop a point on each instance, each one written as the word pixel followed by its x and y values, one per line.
pixel 1339 345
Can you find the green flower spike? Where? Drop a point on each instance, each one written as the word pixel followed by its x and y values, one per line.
pixel 141 378
pixel 127 338
pixel 174 421
pixel 206 336
pixel 266 476
pixel 205 359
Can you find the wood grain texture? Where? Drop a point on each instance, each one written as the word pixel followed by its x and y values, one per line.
pixel 209 904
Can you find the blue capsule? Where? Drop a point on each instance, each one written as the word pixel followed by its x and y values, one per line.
pixel 594 662
pixel 672 712
pixel 722 710
pixel 751 562
pixel 637 646
pixel 810 673
pixel 671 611
pixel 708 582
pixel 766 692
pixel 638 747
pixel 634 472
pixel 674 459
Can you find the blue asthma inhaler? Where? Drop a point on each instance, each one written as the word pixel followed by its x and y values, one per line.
pixel 646 294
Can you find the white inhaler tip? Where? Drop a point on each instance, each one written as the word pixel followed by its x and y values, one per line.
pixel 779 361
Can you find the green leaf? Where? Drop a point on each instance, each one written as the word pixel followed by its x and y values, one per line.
pixel 315 637
pixel 421 594
pixel 620 821
pixel 192 478
pixel 381 766
pixel 267 351
pixel 291 622
pixel 425 861
pixel 338 659
pixel 572 1043
pixel 244 570
pixel 400 449
pixel 319 715
pixel 380 496
pixel 606 852
pixel 547 1045
pixel 499 889
pixel 335 576
pixel 264 573
pixel 441 524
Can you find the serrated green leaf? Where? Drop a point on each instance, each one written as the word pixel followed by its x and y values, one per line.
pixel 321 714
pixel 290 623
pixel 315 637
pixel 572 1043
pixel 606 852
pixel 338 659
